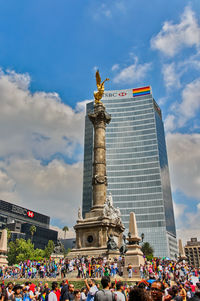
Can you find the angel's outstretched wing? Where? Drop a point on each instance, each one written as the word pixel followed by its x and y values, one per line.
pixel 98 77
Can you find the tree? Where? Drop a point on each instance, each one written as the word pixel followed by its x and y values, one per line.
pixel 12 253
pixel 39 254
pixel 148 250
pixel 65 229
pixel 49 249
pixel 22 250
pixel 8 234
pixel 32 231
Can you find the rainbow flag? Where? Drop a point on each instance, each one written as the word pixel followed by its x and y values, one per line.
pixel 141 91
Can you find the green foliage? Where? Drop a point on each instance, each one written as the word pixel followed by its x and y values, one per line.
pixel 49 249
pixel 148 250
pixel 65 229
pixel 8 234
pixel 32 231
pixel 12 253
pixel 21 250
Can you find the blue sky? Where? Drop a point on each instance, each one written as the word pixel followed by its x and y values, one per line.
pixel 49 51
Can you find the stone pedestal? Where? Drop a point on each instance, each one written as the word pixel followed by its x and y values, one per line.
pixel 182 255
pixel 92 236
pixel 3 249
pixel 134 256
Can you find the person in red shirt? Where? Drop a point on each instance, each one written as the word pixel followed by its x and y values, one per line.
pixel 58 294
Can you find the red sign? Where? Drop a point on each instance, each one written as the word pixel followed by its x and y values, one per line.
pixel 30 214
pixel 122 94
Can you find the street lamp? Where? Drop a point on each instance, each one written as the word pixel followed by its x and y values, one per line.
pixel 142 236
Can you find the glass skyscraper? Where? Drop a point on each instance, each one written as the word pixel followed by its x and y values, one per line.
pixel 137 166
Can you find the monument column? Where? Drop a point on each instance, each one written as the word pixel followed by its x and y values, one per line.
pixel 99 118
pixel 95 233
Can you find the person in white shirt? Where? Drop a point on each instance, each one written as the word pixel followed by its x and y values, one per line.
pixel 119 296
pixel 52 296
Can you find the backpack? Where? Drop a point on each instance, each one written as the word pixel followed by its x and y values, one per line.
pixel 96 295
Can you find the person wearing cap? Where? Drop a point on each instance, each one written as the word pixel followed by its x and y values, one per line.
pixel 196 296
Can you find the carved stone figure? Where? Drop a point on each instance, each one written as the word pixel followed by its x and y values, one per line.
pixel 111 244
pixel 123 248
pixel 110 199
pixel 110 211
pixel 99 180
pixel 79 213
pixel 100 86
pixel 58 248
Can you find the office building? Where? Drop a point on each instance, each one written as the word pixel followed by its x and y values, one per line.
pixel 137 166
pixel 192 252
pixel 19 220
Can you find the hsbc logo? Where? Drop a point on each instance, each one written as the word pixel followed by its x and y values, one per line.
pixel 115 94
pixel 30 214
pixel 122 94
pixel 22 211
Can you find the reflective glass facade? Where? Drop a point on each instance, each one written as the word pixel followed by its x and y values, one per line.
pixel 137 167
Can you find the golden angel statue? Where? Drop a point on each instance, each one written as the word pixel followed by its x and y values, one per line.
pixel 100 86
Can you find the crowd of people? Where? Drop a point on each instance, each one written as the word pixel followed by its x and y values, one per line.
pixel 33 269
pixel 145 290
pixel 161 280
pixel 90 267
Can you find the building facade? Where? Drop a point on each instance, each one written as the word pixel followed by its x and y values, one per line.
pixel 137 166
pixel 192 252
pixel 19 220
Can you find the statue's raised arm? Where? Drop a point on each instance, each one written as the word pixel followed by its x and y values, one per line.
pixel 100 86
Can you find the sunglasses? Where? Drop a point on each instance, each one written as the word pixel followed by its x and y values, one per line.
pixel 155 289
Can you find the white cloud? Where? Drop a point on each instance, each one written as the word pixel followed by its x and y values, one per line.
pixel 107 10
pixel 54 189
pixel 187 109
pixel 38 122
pixel 115 67
pixel 184 162
pixel 190 104
pixel 173 37
pixel 36 129
pixel 186 234
pixel 21 80
pixel 81 106
pixel 179 210
pixel 132 73
pixel 170 76
pixel 170 123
